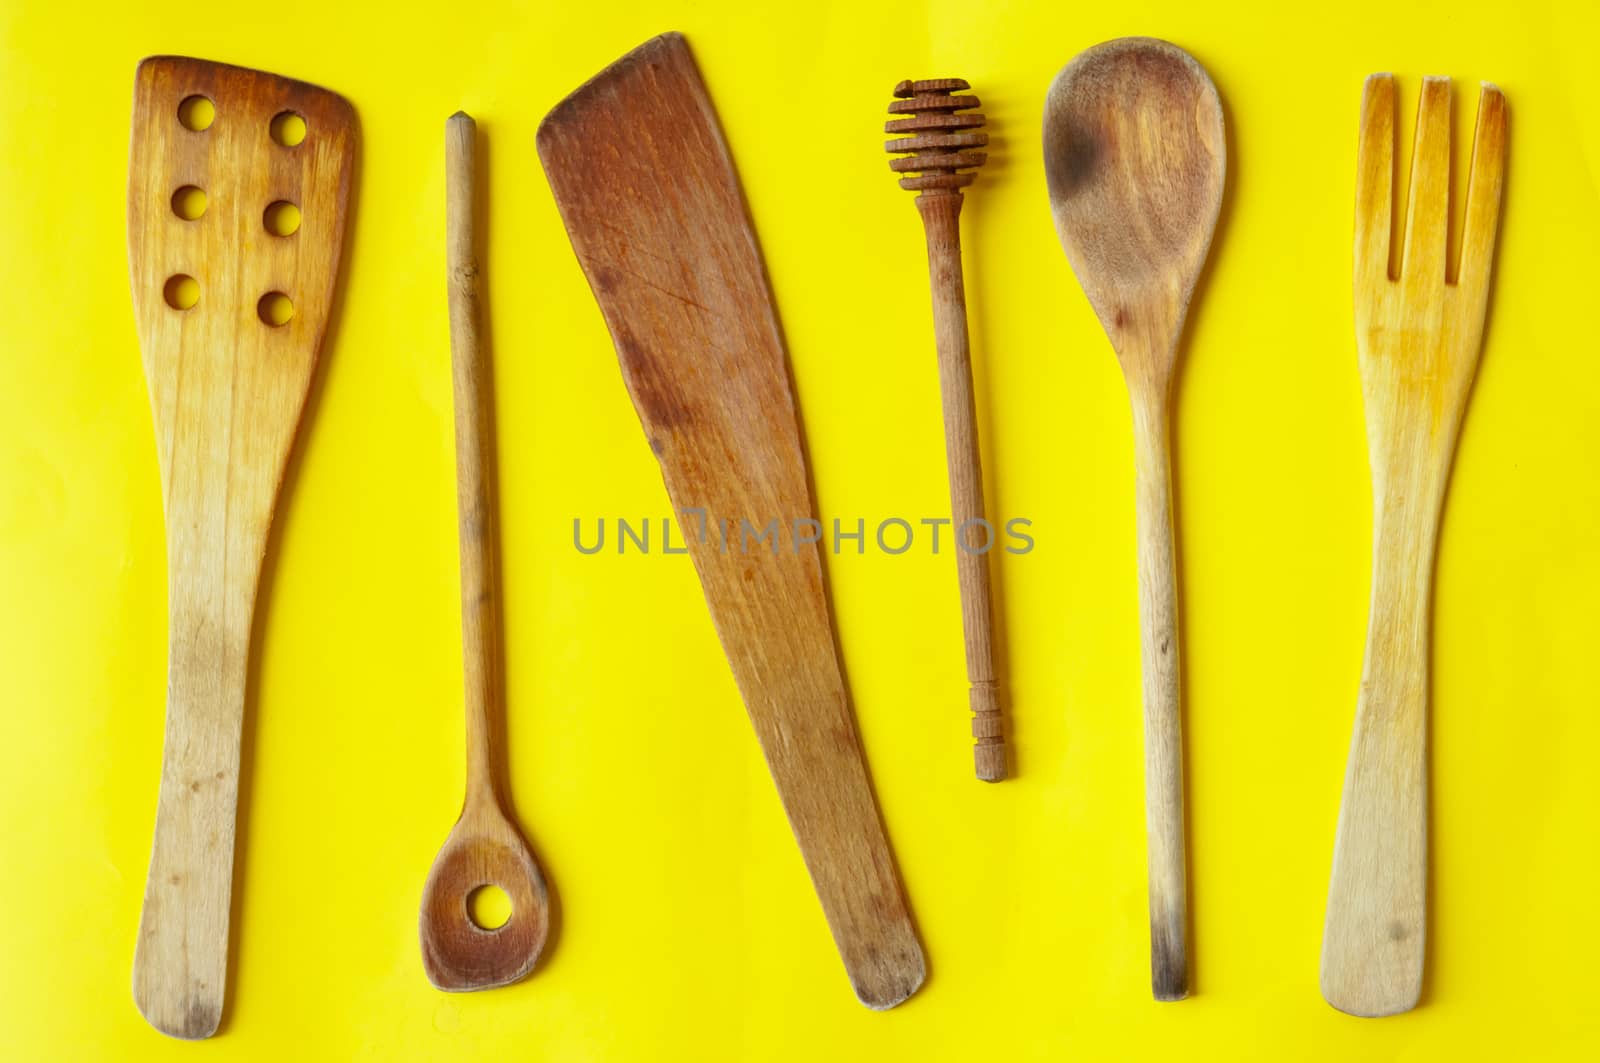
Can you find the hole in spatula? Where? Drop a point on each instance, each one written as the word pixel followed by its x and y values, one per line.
pixel 189 202
pixel 489 907
pixel 282 218
pixel 275 309
pixel 196 113
pixel 288 129
pixel 181 291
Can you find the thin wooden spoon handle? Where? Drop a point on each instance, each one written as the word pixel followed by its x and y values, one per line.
pixel 480 628
pixel 941 219
pixel 181 959
pixel 1163 741
pixel 1373 943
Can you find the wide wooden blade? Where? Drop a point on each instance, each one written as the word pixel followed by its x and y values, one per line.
pixel 658 221
pixel 214 195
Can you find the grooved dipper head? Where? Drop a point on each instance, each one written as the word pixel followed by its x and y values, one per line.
pixel 935 139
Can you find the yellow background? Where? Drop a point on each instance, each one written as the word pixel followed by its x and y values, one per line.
pixel 688 927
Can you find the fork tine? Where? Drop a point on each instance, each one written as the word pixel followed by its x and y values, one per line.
pixel 1375 177
pixel 1483 191
pixel 1428 209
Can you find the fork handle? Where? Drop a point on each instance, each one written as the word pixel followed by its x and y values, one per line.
pixel 1163 734
pixel 1373 943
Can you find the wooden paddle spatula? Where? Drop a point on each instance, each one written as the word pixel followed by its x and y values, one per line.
pixel 658 221
pixel 1419 328
pixel 1135 159
pixel 237 190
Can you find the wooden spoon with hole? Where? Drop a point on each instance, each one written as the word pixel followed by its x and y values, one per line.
pixel 1135 160
pixel 485 848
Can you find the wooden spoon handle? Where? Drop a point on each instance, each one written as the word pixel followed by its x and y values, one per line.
pixel 941 219
pixel 181 958
pixel 1373 943
pixel 480 627
pixel 1163 741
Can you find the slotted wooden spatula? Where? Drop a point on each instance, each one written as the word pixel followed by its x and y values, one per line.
pixel 658 221
pixel 237 189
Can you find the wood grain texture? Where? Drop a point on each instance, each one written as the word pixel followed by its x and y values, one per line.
pixel 657 218
pixel 941 130
pixel 485 847
pixel 1418 334
pixel 227 391
pixel 1135 158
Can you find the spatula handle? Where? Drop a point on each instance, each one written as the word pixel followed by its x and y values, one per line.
pixel 181 957
pixel 941 220
pixel 1373 943
pixel 1163 742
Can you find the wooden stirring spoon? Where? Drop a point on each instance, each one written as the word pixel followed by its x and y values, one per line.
pixel 1135 160
pixel 232 300
pixel 484 848
pixel 1418 335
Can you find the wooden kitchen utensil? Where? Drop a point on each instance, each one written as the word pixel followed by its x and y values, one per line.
pixel 658 220
pixel 939 166
pixel 1419 329
pixel 225 164
pixel 1135 160
pixel 485 848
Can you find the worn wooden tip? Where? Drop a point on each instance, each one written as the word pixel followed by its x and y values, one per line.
pixel 989 759
pixel 198 1019
pixel 937 149
pixel 662 52
pixel 1169 951
pixel 988 729
pixel 889 979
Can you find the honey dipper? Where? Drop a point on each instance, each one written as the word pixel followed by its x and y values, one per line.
pixel 937 161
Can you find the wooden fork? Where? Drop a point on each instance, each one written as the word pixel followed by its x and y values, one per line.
pixel 1419 328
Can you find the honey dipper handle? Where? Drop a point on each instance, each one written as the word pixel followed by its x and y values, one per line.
pixel 1163 737
pixel 1373 942
pixel 941 218
pixel 480 628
